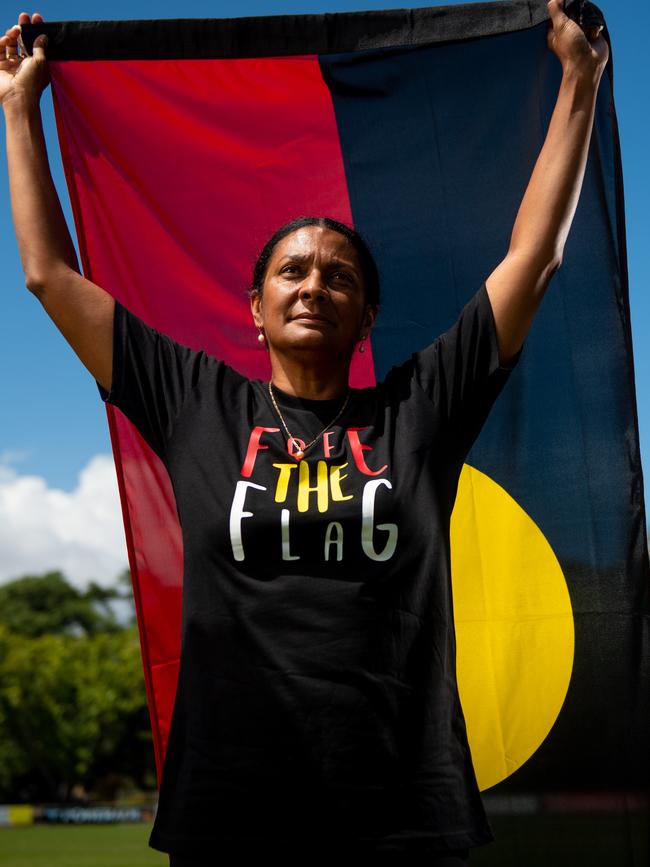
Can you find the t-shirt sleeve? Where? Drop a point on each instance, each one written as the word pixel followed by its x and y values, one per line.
pixel 152 374
pixel 460 371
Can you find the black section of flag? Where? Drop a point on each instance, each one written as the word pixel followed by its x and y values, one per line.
pixel 439 143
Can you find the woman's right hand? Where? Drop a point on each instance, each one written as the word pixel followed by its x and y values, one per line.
pixel 23 73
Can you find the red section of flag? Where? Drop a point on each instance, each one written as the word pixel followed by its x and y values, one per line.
pixel 178 173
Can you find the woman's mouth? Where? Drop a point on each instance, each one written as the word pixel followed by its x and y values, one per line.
pixel 311 317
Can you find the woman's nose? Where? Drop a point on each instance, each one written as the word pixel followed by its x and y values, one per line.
pixel 313 286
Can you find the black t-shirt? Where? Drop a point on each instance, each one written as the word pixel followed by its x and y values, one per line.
pixel 317 700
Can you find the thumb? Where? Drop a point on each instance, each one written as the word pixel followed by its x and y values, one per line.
pixel 556 10
pixel 39 46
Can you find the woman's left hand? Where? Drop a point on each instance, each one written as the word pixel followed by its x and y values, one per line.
pixel 577 49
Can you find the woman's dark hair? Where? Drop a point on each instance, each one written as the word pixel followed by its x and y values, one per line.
pixel 369 269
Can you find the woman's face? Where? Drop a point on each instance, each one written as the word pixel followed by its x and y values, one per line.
pixel 314 297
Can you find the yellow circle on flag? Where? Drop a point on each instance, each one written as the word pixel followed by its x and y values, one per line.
pixel 514 627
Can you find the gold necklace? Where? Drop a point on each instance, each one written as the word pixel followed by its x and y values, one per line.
pixel 300 453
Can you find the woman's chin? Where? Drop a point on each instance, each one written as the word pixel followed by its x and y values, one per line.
pixel 314 341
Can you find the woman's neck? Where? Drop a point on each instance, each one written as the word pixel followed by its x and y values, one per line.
pixel 311 383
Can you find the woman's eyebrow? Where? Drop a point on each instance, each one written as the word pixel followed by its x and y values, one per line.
pixel 305 257
pixel 339 262
pixel 294 257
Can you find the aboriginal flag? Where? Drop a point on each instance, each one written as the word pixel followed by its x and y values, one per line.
pixel 186 143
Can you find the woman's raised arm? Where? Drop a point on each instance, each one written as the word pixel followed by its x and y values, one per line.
pixel 517 284
pixel 81 310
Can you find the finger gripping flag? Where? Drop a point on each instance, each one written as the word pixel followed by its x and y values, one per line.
pixel 186 143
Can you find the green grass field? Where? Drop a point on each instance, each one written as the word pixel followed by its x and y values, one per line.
pixel 596 841
pixel 119 845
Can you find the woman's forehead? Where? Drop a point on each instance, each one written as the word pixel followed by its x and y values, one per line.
pixel 306 240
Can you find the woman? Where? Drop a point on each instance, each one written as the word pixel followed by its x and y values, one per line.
pixel 317 710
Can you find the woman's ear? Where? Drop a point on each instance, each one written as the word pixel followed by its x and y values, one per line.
pixel 256 308
pixel 369 319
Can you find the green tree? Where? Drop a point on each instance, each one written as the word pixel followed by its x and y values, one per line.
pixel 124 591
pixel 73 706
pixel 70 705
pixel 48 604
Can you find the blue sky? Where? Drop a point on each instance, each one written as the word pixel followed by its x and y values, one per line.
pixel 58 495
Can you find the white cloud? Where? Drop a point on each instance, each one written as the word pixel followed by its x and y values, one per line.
pixel 80 532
